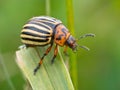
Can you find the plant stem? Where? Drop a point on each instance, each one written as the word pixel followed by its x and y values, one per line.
pixel 73 62
pixel 47 4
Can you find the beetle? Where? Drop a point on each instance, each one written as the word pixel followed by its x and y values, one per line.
pixel 44 30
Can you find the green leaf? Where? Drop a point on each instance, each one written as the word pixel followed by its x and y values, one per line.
pixel 50 76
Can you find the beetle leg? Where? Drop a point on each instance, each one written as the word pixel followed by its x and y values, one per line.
pixel 41 60
pixel 55 54
pixel 65 50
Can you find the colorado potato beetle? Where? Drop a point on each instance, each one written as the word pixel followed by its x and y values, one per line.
pixel 44 30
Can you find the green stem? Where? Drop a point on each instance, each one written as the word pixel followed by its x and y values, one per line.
pixel 73 62
pixel 47 4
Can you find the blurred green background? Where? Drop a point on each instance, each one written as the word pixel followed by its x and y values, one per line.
pixel 98 69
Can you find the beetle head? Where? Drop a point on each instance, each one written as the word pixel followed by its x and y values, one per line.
pixel 71 42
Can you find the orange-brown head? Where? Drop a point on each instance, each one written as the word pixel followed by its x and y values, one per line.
pixel 71 42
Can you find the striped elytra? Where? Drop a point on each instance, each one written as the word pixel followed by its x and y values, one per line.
pixel 38 31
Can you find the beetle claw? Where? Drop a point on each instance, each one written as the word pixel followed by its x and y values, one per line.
pixel 22 46
pixel 52 61
pixel 35 70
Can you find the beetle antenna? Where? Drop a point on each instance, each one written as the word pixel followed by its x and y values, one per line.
pixel 86 35
pixel 84 47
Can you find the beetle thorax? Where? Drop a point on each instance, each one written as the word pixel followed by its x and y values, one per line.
pixel 61 35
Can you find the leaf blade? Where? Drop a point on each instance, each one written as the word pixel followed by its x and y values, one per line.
pixel 52 77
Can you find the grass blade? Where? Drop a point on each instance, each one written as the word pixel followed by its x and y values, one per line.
pixel 73 60
pixel 47 5
pixel 5 71
pixel 50 76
